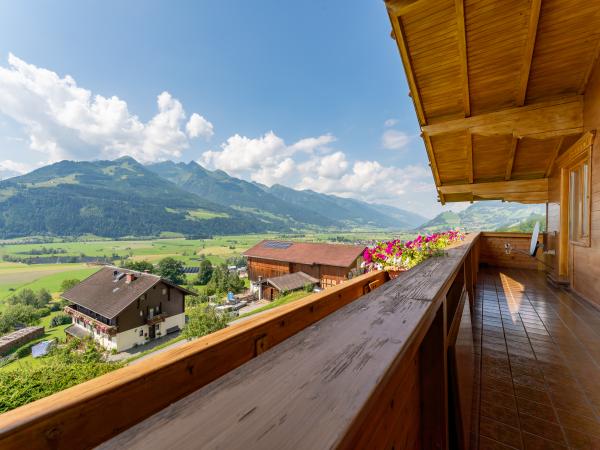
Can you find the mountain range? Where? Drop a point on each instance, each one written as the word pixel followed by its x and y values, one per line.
pixel 489 215
pixel 125 198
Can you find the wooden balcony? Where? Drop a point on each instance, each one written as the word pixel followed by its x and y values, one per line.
pixel 98 325
pixel 444 356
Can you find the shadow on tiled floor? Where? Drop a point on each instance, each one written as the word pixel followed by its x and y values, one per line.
pixel 540 364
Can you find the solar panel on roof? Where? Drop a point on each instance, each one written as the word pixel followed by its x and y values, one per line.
pixel 276 244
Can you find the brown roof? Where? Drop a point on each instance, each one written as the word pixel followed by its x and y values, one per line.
pixel 291 281
pixel 107 292
pixel 338 255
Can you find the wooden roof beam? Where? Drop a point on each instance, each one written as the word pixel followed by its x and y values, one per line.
pixel 534 17
pixel 512 153
pixel 400 7
pixel 558 117
pixel 470 170
pixel 499 188
pixel 400 38
pixel 462 47
pixel 553 157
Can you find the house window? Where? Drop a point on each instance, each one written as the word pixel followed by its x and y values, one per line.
pixel 164 291
pixel 141 332
pixel 579 202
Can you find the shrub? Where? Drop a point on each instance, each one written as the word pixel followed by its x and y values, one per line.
pixel 203 320
pixel 43 312
pixel 19 387
pixel 17 314
pixel 68 284
pixel 60 319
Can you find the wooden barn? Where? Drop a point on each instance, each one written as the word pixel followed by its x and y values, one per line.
pixel 328 263
pixel 274 287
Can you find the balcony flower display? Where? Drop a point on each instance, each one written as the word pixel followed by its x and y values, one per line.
pixel 397 256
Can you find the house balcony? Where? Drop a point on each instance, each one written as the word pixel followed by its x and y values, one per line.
pixel 471 349
pixel 156 318
pixel 98 325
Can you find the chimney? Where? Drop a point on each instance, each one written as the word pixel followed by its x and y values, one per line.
pixel 130 277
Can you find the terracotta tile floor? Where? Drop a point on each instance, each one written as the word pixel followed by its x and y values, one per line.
pixel 540 364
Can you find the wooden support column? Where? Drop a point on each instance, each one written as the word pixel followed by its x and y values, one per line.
pixel 470 170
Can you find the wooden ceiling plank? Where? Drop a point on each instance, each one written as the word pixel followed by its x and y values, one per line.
pixel 462 47
pixel 511 157
pixel 400 7
pixel 534 17
pixel 408 67
pixel 470 169
pixel 550 116
pixel 553 157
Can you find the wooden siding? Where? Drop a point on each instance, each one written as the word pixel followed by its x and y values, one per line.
pixel 266 268
pixel 327 275
pixel 492 251
pixel 586 260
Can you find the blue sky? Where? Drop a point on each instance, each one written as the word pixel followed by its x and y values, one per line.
pixel 311 94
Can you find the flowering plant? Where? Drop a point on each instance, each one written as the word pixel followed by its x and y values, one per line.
pixel 398 255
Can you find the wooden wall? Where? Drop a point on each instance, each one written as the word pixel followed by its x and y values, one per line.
pixel 586 260
pixel 328 275
pixel 492 251
pixel 266 268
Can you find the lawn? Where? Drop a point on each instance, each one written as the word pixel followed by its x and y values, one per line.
pixel 283 300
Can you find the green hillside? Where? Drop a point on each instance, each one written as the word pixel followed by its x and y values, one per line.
pixel 111 199
pixel 348 211
pixel 223 189
pixel 489 216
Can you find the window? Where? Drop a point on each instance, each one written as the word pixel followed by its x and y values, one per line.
pixel 579 203
pixel 164 291
pixel 141 332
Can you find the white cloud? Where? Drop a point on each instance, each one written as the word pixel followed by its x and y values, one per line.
pixel 390 122
pixel 199 126
pixel 65 121
pixel 9 168
pixel 311 164
pixel 394 139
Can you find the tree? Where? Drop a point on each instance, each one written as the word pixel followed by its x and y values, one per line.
pixel 17 314
pixel 224 281
pixel 139 266
pixel 205 272
pixel 203 320
pixel 171 269
pixel 39 299
pixel 68 284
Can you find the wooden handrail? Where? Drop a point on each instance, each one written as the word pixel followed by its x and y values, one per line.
pixel 89 413
pixel 371 375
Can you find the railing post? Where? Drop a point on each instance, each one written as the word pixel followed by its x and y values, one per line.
pixel 434 385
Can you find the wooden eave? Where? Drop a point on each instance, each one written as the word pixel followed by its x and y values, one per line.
pixel 496 87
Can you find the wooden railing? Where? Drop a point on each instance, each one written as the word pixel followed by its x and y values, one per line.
pixel 392 369
pixel 88 414
pixel 493 251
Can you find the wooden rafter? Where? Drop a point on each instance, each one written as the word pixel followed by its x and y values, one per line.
pixel 563 116
pixel 462 47
pixel 590 68
pixel 512 153
pixel 470 170
pixel 408 69
pixel 553 157
pixel 433 165
pixel 534 17
pixel 400 7
pixel 499 188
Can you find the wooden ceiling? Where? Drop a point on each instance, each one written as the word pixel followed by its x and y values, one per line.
pixel 498 88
